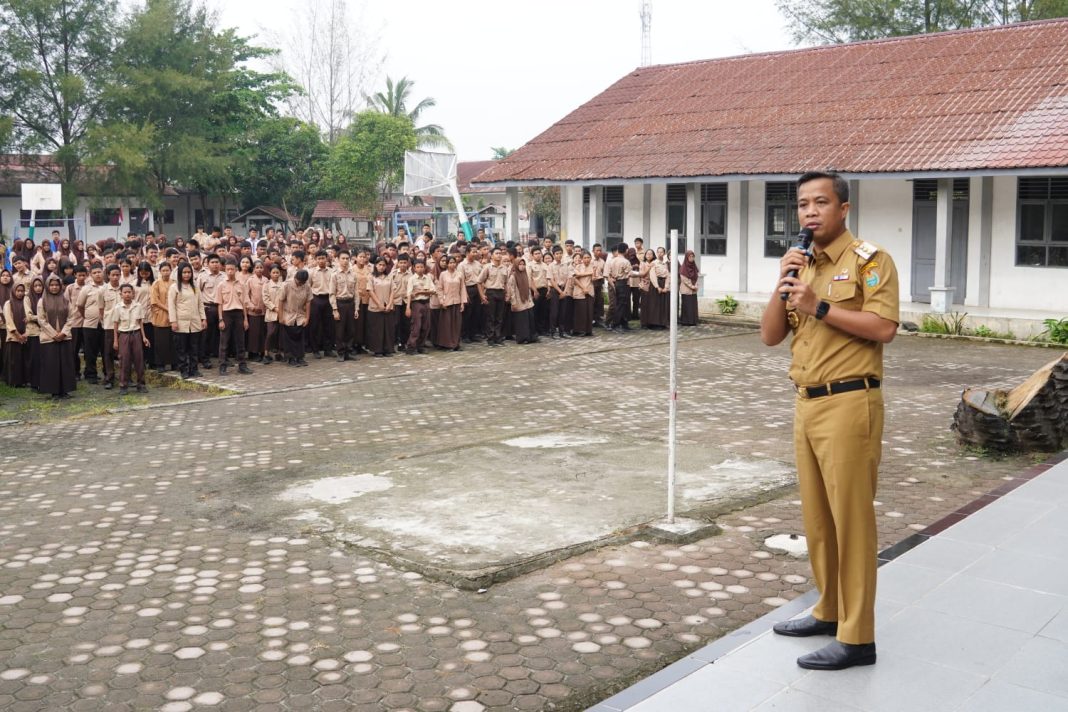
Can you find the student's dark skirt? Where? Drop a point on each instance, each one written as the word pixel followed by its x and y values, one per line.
pixel 450 322
pixel 583 316
pixel 57 368
pixel 379 333
pixel 163 347
pixel 657 305
pixel 645 306
pixel 272 341
pixel 523 324
pixel 688 310
pixel 16 363
pixel 34 346
pixel 435 317
pixel 150 350
pixel 257 334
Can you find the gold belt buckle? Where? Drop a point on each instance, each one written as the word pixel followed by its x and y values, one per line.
pixel 802 391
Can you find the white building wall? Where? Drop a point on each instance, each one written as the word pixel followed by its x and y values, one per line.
pixel 1013 287
pixel 657 236
pixel 975 208
pixel 571 213
pixel 885 218
pixel 720 273
pixel 633 214
pixel 763 271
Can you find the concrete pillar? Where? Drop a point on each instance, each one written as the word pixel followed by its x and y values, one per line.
pixel 593 229
pixel 942 290
pixel 511 203
pixel 693 216
pixel 743 235
pixel 647 214
pixel 986 243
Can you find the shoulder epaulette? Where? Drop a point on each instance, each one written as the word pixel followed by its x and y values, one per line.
pixel 865 249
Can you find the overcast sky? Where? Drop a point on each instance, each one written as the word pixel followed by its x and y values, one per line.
pixel 502 72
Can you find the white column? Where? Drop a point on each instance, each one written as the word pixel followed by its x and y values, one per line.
pixel 593 228
pixel 693 208
pixel 942 290
pixel 511 203
pixel 986 238
pixel 743 235
pixel 647 214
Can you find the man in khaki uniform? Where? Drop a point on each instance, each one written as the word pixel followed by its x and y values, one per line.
pixel 842 307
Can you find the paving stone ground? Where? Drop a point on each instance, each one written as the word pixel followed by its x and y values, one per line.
pixel 134 575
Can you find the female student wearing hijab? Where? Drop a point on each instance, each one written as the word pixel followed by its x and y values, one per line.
pixel 688 275
pixel 380 333
pixel 645 275
pixel 519 293
pixel 270 293
pixel 57 362
pixel 16 349
pixel 582 294
pixel 256 337
pixel 185 309
pixel 162 338
pixel 33 331
pixel 453 295
pixel 5 297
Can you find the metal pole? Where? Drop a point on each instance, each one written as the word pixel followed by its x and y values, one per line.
pixel 673 372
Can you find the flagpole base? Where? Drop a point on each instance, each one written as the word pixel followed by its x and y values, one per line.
pixel 682 531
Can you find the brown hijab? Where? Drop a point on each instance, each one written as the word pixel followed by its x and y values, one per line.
pixel 522 279
pixel 18 308
pixel 689 269
pixel 35 298
pixel 56 305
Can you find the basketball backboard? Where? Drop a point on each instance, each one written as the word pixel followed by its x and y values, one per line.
pixel 42 196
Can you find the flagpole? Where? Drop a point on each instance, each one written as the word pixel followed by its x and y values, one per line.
pixel 673 353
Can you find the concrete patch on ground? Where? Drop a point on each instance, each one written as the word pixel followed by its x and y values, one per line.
pixel 488 512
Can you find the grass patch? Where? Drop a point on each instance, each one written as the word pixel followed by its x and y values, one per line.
pixel 28 406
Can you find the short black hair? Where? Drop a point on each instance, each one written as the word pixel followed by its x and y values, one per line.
pixel 621 248
pixel 301 276
pixel 841 185
pixel 298 254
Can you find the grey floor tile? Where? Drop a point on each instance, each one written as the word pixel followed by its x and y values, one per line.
pixel 1023 570
pixel 1057 629
pixel 1042 489
pixel 950 641
pixel 1040 542
pixel 773 657
pixel 1054 522
pixel 895 683
pixel 797 701
pixel 1041 664
pixel 711 688
pixel 998 696
pixel 998 604
pixel 901 582
pixel 944 553
pixel 992 524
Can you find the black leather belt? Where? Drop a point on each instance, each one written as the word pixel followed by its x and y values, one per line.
pixel 829 389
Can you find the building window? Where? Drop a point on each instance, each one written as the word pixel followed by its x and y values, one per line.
pixel 102 217
pixel 232 215
pixel 139 221
pixel 165 217
pixel 204 218
pixel 44 218
pixel 780 218
pixel 713 228
pixel 676 214
pixel 613 216
pixel 1042 222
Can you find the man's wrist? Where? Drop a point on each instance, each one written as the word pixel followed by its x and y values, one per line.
pixel 822 308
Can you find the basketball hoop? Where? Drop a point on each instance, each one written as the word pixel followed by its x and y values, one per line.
pixel 434 174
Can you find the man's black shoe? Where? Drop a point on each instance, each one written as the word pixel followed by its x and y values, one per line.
pixel 318 354
pixel 341 358
pixel 804 627
pixel 243 368
pixel 838 656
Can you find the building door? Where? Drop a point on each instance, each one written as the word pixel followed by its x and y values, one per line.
pixel 924 220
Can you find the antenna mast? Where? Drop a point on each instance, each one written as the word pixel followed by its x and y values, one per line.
pixel 646 12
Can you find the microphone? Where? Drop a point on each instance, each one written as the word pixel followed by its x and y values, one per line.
pixel 804 240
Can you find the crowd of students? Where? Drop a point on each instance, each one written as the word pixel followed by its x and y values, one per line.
pixel 177 305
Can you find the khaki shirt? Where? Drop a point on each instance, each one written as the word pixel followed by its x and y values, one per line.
pixel 598 269
pixel 400 285
pixel 32 328
pixel 518 302
pixel 231 296
pixel 294 299
pixel 47 333
pixel 417 283
pixel 853 275
pixel 271 293
pixel 581 281
pixel 321 281
pixel 382 288
pixel 470 271
pixel 74 319
pixel 559 275
pixel 619 267
pixel 537 276
pixel 91 299
pixel 125 317
pixel 23 278
pixel 208 285
pixel 185 307
pixel 112 296
pixel 495 276
pixel 363 281
pixel 158 304
pixel 344 286
pixel 451 288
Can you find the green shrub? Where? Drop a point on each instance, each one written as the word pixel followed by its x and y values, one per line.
pixel 727 305
pixel 952 324
pixel 1056 330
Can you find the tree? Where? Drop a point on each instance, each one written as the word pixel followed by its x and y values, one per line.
pixel 55 60
pixel 184 106
pixel 284 166
pixel 834 21
pixel 500 152
pixel 333 59
pixel 368 159
pixel 543 202
pixel 394 101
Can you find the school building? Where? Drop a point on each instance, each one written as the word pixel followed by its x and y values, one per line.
pixel 955 145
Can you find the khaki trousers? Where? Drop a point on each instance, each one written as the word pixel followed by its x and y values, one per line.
pixel 838 443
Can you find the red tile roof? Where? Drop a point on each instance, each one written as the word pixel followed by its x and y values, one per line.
pixel 466 171
pixel 334 209
pixel 993 98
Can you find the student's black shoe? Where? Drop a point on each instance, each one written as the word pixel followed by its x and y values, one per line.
pixel 196 374
pixel 554 336
pixel 292 362
pixel 330 353
pixel 341 358
pixel 108 385
pixel 465 340
pixel 421 350
pixel 278 357
pixel 479 337
pixel 222 368
pixel 123 390
pixel 244 369
pixel 92 381
pixel 206 363
pixel 565 335
pixel 458 348
pixel 318 354
pixel 56 396
pixel 142 389
pixel 161 369
pixel 379 355
pixel 302 362
pixel 409 352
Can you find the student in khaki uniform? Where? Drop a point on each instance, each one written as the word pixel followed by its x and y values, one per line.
pixel 470 270
pixel 207 284
pixel 401 274
pixel 320 330
pixel 559 295
pixel 33 330
pixel 619 269
pixel 72 291
pixel 256 336
pixel 582 294
pixel 91 307
pixel 380 336
pixel 364 273
pixel 537 272
pixel 129 341
pixel 162 338
pixel 841 308
pixel 343 305
pixel 54 317
pixel 520 297
pixel 272 291
pixel 453 294
pixel 16 353
pixel 598 263
pixel 491 284
pixel 688 276
pixel 417 308
pixel 294 310
pixel 185 310
pixel 233 320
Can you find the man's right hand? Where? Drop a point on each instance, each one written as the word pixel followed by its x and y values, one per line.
pixel 794 259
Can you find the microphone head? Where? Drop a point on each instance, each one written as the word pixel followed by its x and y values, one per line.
pixel 805 237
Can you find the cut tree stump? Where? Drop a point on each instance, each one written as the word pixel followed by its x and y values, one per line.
pixel 1031 417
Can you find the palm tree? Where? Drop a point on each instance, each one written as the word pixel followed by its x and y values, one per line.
pixel 394 101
